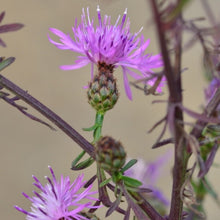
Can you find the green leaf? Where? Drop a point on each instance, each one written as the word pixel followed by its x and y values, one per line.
pixel 129 165
pixel 105 182
pixel 90 128
pixel 214 130
pixel 97 134
pixel 78 158
pixel 131 181
pixel 84 164
pixel 6 62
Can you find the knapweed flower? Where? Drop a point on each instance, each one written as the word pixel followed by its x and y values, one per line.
pixel 59 200
pixel 113 45
pixel 149 173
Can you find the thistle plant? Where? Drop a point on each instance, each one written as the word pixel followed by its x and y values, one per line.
pixel 128 187
pixel 112 45
pixel 108 46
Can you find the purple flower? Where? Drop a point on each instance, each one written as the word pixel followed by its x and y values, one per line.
pixel 59 200
pixel 112 44
pixel 149 173
pixel 213 86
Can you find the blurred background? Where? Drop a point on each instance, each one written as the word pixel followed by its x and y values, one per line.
pixel 28 147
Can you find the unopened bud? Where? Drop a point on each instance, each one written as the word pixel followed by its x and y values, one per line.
pixel 103 92
pixel 110 154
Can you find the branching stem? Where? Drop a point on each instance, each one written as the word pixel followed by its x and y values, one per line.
pixel 72 133
pixel 59 122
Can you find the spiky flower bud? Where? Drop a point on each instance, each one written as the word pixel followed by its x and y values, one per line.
pixel 103 92
pixel 110 154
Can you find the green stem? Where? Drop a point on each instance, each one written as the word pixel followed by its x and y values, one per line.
pixel 97 133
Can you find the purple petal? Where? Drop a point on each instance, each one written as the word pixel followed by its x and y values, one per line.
pixel 75 66
pixel 58 45
pixel 57 32
pixel 141 49
pixel 126 84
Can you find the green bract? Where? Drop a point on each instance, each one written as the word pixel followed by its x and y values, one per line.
pixel 110 154
pixel 103 92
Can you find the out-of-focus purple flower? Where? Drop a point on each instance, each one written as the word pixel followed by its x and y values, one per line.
pixel 149 173
pixel 110 44
pixel 59 200
pixel 213 86
pixel 7 28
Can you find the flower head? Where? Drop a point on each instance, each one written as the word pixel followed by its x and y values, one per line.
pixel 148 174
pixel 59 200
pixel 110 44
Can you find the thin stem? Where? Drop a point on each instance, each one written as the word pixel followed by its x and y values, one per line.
pixel 167 64
pixel 181 159
pixel 146 206
pixel 59 122
pixel 99 123
pixel 173 77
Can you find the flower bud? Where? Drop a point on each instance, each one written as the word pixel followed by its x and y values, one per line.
pixel 110 154
pixel 103 92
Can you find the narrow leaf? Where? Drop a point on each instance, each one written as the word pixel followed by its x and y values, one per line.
pixel 84 164
pixel 90 128
pixel 128 165
pixel 2 15
pixel 90 181
pixel 105 182
pixel 78 158
pixel 10 27
pixel 139 190
pixel 131 181
pixel 114 205
pixel 2 43
pixel 6 62
pixel 209 161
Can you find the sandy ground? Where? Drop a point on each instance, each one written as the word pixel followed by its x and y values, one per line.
pixel 28 147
